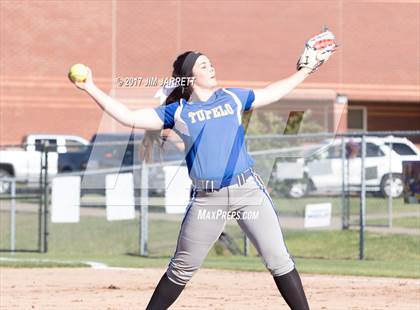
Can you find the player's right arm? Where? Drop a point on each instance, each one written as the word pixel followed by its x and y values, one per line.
pixel 142 118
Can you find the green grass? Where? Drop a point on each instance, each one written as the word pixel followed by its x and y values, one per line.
pixel 382 268
pixel 374 205
pixel 116 244
pixel 411 222
pixel 32 262
pixel 406 269
pixel 345 245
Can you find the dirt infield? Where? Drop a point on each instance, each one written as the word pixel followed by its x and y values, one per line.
pixel 84 288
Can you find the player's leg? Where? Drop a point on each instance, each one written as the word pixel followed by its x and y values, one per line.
pixel 291 288
pixel 260 223
pixel 165 294
pixel 202 225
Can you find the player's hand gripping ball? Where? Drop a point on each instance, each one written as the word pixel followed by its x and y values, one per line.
pixel 78 73
pixel 81 76
pixel 318 50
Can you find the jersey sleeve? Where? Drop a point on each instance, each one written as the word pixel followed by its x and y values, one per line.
pixel 246 96
pixel 167 114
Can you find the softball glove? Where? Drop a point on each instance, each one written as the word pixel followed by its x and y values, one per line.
pixel 317 51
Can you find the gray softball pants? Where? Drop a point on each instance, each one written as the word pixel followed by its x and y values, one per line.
pixel 205 219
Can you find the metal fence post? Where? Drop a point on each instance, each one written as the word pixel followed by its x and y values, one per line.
pixel 246 241
pixel 144 211
pixel 390 188
pixel 41 197
pixel 344 222
pixel 362 200
pixel 46 198
pixel 13 217
pixel 246 245
pixel 347 187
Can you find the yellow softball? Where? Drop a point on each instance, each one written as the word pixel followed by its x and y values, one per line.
pixel 78 73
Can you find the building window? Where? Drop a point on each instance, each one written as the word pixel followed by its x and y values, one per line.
pixel 357 118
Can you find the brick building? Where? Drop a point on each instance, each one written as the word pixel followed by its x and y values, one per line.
pixel 250 43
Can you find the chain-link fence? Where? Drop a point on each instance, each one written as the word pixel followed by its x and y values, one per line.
pixel 356 182
pixel 24 178
pixel 320 184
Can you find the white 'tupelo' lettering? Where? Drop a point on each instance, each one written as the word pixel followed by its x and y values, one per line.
pixel 216 112
pixel 200 115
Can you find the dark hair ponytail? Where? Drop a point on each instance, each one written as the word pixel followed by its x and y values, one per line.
pixel 154 136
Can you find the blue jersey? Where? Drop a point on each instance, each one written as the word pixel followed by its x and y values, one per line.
pixel 212 132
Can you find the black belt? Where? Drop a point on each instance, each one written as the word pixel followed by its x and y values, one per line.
pixel 214 185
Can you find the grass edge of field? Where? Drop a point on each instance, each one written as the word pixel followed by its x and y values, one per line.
pixel 368 268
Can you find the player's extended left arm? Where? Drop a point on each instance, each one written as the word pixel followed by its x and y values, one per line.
pixel 318 50
pixel 277 90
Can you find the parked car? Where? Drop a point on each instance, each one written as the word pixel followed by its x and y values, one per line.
pixel 109 152
pixel 105 150
pixel 24 162
pixel 324 173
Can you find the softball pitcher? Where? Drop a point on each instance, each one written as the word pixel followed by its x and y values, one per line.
pixel 208 120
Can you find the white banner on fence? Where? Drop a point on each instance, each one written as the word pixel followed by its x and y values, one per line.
pixel 317 215
pixel 119 197
pixel 178 186
pixel 65 199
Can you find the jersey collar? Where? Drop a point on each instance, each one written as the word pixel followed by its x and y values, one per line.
pixel 212 97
